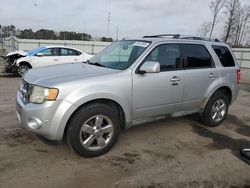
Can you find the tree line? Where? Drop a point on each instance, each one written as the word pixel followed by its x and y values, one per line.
pixel 7 31
pixel 236 21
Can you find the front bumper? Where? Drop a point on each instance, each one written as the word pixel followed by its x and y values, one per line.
pixel 52 116
pixel 10 68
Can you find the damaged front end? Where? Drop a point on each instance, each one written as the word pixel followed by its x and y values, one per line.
pixel 10 60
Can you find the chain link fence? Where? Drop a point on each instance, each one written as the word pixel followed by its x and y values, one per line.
pixel 13 43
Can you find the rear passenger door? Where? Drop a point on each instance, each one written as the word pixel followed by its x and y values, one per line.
pixel 69 56
pixel 200 74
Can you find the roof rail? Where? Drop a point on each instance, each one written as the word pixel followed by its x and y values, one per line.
pixel 200 38
pixel 178 36
pixel 162 35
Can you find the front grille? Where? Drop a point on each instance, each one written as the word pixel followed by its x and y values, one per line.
pixel 25 90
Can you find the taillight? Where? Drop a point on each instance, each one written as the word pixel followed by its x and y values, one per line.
pixel 238 76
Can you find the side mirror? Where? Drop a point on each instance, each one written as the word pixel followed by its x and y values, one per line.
pixel 39 55
pixel 150 67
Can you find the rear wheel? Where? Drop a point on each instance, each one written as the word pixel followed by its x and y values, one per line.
pixel 22 68
pixel 93 130
pixel 216 109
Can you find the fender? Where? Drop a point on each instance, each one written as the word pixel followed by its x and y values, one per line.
pixel 80 97
pixel 90 93
pixel 23 59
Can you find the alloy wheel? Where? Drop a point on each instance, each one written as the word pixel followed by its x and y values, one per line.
pixel 218 110
pixel 96 132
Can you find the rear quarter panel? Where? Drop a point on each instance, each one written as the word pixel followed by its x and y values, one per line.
pixel 227 77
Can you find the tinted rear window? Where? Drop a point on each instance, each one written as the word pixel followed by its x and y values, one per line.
pixel 197 56
pixel 224 55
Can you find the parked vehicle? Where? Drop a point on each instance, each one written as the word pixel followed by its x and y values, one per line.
pixel 128 83
pixel 19 61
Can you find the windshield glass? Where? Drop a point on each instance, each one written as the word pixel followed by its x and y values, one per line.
pixel 120 55
pixel 34 51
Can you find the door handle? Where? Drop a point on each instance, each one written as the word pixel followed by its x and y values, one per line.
pixel 56 59
pixel 211 75
pixel 175 79
pixel 76 59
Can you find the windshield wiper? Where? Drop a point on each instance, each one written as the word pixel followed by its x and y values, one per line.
pixel 96 64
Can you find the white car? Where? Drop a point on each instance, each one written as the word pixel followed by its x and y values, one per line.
pixel 50 55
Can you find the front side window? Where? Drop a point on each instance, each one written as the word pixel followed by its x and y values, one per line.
pixel 197 56
pixel 168 55
pixel 120 55
pixel 224 55
pixel 50 52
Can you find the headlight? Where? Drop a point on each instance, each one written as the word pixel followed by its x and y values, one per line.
pixel 41 94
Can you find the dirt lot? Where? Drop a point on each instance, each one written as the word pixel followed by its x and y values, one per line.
pixel 170 153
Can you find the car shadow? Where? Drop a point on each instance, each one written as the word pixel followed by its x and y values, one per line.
pixel 221 141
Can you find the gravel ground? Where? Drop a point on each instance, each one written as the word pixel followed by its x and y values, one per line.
pixel 175 152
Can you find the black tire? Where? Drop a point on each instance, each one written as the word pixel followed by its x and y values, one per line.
pixel 47 141
pixel 20 69
pixel 80 117
pixel 206 117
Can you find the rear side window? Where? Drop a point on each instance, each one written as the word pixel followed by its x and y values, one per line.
pixel 224 55
pixel 197 56
pixel 78 53
pixel 69 52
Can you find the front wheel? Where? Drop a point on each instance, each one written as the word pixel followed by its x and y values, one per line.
pixel 21 69
pixel 93 130
pixel 216 110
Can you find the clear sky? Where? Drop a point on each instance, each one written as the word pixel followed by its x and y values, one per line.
pixel 133 17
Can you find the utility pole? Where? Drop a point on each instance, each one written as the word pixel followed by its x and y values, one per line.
pixel 84 35
pixel 109 2
pixel 1 38
pixel 117 33
pixel 85 27
pixel 108 22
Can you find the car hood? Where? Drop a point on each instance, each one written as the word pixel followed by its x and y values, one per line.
pixel 53 75
pixel 18 52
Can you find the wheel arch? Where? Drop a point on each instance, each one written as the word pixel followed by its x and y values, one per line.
pixel 25 63
pixel 111 102
pixel 224 89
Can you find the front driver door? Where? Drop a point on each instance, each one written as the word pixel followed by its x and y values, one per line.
pixel 50 56
pixel 156 94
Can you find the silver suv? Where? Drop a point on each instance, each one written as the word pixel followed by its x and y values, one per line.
pixel 130 82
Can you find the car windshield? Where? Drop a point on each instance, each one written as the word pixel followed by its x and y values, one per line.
pixel 34 51
pixel 120 55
